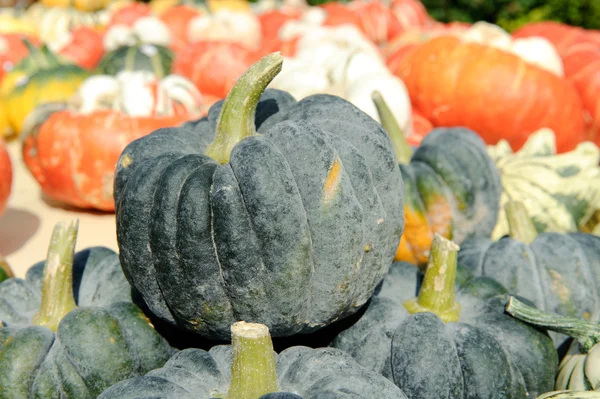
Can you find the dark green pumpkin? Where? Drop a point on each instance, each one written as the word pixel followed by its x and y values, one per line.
pixel 103 340
pixel 251 369
pixel 450 344
pixel 139 57
pixel 451 187
pixel 558 272
pixel 293 227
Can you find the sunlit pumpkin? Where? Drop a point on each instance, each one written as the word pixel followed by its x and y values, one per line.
pixel 83 47
pixel 71 149
pixel 84 5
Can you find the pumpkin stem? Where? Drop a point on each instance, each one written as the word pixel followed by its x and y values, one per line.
pixel 520 225
pixel 253 371
pixel 5 270
pixel 237 118
pixel 57 286
pixel 585 332
pixel 437 292
pixel 394 131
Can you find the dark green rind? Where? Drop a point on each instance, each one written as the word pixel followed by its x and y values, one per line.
pixel 487 354
pixel 458 157
pixel 103 341
pixel 304 372
pixel 143 57
pixel 527 270
pixel 262 245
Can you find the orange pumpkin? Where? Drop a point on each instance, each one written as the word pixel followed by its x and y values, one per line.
pixel 580 53
pixel 6 176
pixel 491 91
pixel 177 19
pixel 421 126
pixel 270 23
pixel 85 48
pixel 13 50
pixel 72 149
pixel 214 67
pixel 129 13
pixel 410 14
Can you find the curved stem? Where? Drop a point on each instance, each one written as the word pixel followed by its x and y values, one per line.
pixel 237 118
pixel 437 292
pixel 394 131
pixel 253 371
pixel 57 285
pixel 585 332
pixel 520 225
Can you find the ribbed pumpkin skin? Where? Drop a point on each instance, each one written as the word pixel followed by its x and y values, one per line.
pixel 294 232
pixel 558 272
pixel 143 57
pixel 452 188
pixel 486 355
pixel 106 339
pixel 310 373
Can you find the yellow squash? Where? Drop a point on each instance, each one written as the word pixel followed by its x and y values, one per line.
pixel 40 78
pixel 160 6
pixel 83 5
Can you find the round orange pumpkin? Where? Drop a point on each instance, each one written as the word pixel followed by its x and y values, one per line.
pixel 72 149
pixel 85 48
pixel 177 19
pixel 453 82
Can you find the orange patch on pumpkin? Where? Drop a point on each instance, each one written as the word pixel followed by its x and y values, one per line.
pixel 332 181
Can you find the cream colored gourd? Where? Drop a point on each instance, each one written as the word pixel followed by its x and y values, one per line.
pixel 137 94
pixel 341 61
pixel 550 185
pixel 149 30
pixel 226 25
pixel 535 50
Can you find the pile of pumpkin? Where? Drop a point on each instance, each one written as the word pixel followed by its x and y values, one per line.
pixel 302 210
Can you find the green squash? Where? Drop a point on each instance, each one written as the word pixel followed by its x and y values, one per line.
pixel 250 368
pixel 446 343
pixel 5 270
pixel 451 187
pixel 579 369
pixel 558 272
pixel 293 227
pixel 138 57
pixel 69 329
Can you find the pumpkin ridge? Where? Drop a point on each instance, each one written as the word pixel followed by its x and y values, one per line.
pixel 62 348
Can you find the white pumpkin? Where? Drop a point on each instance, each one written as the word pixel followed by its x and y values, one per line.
pixel 149 30
pixel 138 93
pixel 226 25
pixel 560 191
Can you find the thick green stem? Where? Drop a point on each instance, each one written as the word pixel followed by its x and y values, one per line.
pixel 57 286
pixel 253 371
pixel 520 225
pixel 237 118
pixel 389 123
pixel 585 332
pixel 437 292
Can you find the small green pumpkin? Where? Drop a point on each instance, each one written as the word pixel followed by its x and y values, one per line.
pixel 558 272
pixel 69 329
pixel 579 370
pixel 293 227
pixel 447 344
pixel 451 187
pixel 249 368
pixel 138 57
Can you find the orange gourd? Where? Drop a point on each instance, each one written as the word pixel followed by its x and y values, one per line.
pixel 453 82
pixel 6 176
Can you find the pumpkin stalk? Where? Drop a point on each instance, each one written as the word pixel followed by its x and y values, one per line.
pixel 520 225
pixel 437 292
pixel 57 286
pixel 237 117
pixel 394 131
pixel 253 371
pixel 585 332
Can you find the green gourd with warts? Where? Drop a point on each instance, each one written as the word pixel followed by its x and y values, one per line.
pixel 451 184
pixel 250 369
pixel 268 210
pixel 448 342
pixel 558 272
pixel 69 329
pixel 579 370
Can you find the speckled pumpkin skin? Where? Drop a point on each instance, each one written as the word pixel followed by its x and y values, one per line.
pixel 452 187
pixel 558 272
pixel 309 373
pixel 486 355
pixel 294 232
pixel 103 341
